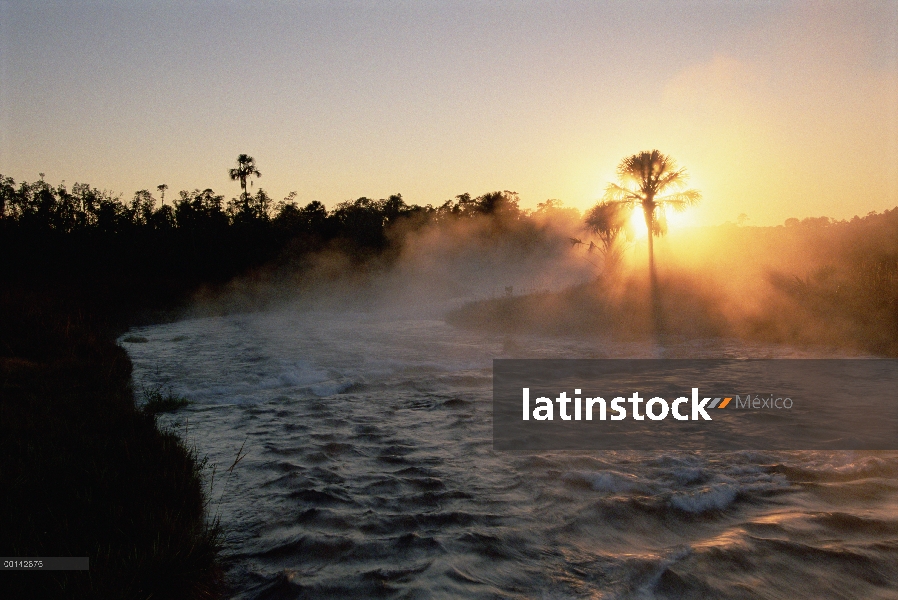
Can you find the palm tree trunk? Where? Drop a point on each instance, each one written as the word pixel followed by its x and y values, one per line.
pixel 657 321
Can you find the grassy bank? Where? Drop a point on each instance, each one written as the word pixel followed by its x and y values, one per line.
pixel 85 472
pixel 597 308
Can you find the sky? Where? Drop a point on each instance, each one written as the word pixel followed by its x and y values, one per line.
pixel 776 109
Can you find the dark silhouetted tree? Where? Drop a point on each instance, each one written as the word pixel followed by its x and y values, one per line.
pixel 651 181
pixel 142 207
pixel 608 221
pixel 393 208
pixel 246 168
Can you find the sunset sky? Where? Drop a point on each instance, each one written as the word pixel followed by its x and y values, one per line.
pixel 777 109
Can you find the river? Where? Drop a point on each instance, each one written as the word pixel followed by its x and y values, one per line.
pixel 369 472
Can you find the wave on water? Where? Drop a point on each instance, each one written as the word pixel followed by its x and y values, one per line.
pixel 370 473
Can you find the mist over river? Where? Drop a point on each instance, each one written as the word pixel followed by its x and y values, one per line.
pixel 369 472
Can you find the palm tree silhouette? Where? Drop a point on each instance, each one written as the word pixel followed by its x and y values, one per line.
pixel 246 168
pixel 162 187
pixel 609 220
pixel 652 181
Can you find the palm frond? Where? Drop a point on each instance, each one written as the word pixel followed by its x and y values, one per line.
pixel 616 193
pixel 680 201
pixel 645 165
pixel 607 217
pixel 673 178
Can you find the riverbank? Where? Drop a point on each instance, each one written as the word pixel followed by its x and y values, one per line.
pixel 588 312
pixel 844 305
pixel 87 473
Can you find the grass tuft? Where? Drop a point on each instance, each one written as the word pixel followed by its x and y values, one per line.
pixel 157 402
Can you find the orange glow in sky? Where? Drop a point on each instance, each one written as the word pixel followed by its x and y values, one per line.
pixel 777 110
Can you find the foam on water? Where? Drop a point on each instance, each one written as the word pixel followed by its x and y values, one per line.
pixel 715 497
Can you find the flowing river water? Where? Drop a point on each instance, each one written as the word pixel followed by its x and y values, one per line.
pixel 369 472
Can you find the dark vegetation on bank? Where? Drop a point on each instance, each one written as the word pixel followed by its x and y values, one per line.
pixel 86 472
pixel 157 401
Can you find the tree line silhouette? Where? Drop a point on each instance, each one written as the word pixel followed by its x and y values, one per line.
pixel 87 235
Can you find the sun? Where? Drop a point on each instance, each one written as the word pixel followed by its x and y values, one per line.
pixel 675 220
pixel 637 222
